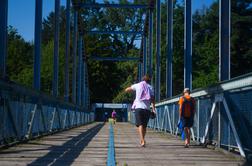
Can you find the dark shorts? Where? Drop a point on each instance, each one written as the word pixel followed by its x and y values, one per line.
pixel 142 117
pixel 187 122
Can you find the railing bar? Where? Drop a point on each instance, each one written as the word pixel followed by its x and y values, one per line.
pixel 237 139
pixel 208 123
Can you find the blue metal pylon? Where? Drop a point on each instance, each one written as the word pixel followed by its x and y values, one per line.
pixel 75 38
pixel 3 36
pixel 158 50
pixel 144 55
pixel 37 44
pixel 188 45
pixel 150 35
pixel 169 46
pixel 79 71
pixel 67 50
pixel 56 49
pixel 224 45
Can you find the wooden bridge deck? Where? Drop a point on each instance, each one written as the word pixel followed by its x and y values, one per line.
pixel 88 145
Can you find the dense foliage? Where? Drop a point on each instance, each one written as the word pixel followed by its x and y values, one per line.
pixel 108 79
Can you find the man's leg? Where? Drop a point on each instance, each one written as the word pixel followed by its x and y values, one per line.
pixel 187 132
pixel 144 133
pixel 189 135
pixel 140 130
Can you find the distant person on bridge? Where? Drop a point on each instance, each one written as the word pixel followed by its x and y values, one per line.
pixel 141 105
pixel 186 113
pixel 113 115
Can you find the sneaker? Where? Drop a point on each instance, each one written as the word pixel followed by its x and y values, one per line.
pixel 142 145
pixel 186 146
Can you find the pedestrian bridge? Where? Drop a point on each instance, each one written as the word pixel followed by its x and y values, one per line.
pixel 38 130
pixel 42 129
pixel 88 145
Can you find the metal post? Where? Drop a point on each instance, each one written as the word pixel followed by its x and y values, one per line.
pixel 144 55
pixel 147 52
pixel 56 49
pixel 169 48
pixel 224 40
pixel 67 50
pixel 198 119
pixel 3 36
pixel 219 126
pixel 83 73
pixel 150 40
pixel 81 81
pixel 37 43
pixel 188 45
pixel 88 94
pixel 74 56
pixel 158 49
pixel 139 71
pixel 173 118
pixel 84 84
pixel 79 71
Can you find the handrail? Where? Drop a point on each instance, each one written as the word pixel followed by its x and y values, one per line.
pixel 232 84
pixel 35 95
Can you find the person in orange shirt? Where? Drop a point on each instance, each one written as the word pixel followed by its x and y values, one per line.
pixel 186 113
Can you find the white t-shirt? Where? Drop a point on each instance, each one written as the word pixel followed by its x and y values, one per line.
pixel 145 104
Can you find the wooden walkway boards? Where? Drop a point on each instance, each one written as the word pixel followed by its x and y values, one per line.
pixel 88 145
pixel 164 150
pixel 83 146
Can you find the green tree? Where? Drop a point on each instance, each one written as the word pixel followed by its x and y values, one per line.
pixel 241 37
pixel 20 58
pixel 107 80
pixel 205 47
pixel 47 68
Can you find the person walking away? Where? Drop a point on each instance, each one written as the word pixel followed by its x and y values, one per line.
pixel 141 105
pixel 186 113
pixel 113 115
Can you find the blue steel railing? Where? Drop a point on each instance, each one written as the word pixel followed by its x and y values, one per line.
pixel 223 115
pixel 26 114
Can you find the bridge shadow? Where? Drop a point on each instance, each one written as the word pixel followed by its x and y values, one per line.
pixel 66 154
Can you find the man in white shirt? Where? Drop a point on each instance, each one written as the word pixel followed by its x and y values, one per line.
pixel 141 105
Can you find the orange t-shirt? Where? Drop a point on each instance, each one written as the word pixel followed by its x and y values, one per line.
pixel 181 100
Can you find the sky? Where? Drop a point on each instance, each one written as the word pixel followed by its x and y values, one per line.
pixel 21 13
